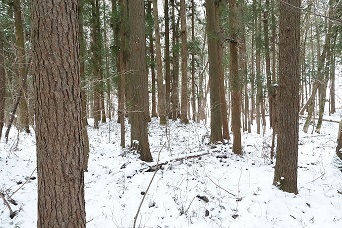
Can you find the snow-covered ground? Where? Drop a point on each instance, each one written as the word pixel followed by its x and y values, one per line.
pixel 217 189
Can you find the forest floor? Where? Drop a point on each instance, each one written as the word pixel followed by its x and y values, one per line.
pixel 217 189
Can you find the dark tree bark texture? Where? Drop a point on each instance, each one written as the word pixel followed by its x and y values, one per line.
pixel 285 175
pixel 137 79
pixel 213 32
pixel 58 113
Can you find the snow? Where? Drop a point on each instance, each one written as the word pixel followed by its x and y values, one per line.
pixel 238 189
pixel 217 189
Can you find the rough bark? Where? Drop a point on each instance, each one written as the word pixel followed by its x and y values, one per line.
pixel 285 174
pixel 184 65
pixel 58 114
pixel 213 33
pixel 137 79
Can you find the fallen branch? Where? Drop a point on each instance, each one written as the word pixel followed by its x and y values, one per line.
pixel 237 198
pixel 12 213
pixel 327 120
pixel 159 165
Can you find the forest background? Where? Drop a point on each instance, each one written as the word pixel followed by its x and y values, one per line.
pixel 217 64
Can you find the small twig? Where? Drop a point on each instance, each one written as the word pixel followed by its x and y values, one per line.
pixel 186 211
pixel 27 179
pixel 148 187
pixel 12 214
pixel 222 188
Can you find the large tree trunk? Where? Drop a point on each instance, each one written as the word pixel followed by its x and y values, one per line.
pixel 160 78
pixel 59 129
pixel 2 85
pixel 285 173
pixel 22 64
pixel 136 80
pixel 214 43
pixel 234 78
pixel 184 85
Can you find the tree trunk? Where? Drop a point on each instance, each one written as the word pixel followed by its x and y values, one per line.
pixel 339 141
pixel 259 84
pixel 268 64
pixel 152 65
pixel 22 64
pixel 214 43
pixel 58 114
pixel 310 104
pixel 234 78
pixel 96 47
pixel 83 85
pixel 285 174
pixel 160 78
pixel 193 69
pixel 332 85
pixel 167 57
pixel 2 84
pixel 184 85
pixel 175 63
pixel 137 79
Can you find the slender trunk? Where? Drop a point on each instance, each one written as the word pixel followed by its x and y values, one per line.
pixel 339 141
pixel 310 105
pixel 167 57
pixel 234 78
pixel 83 85
pixel 22 65
pixel 175 63
pixel 184 60
pixel 332 86
pixel 2 84
pixel 122 67
pixel 259 94
pixel 193 101
pixel 160 78
pixel 268 64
